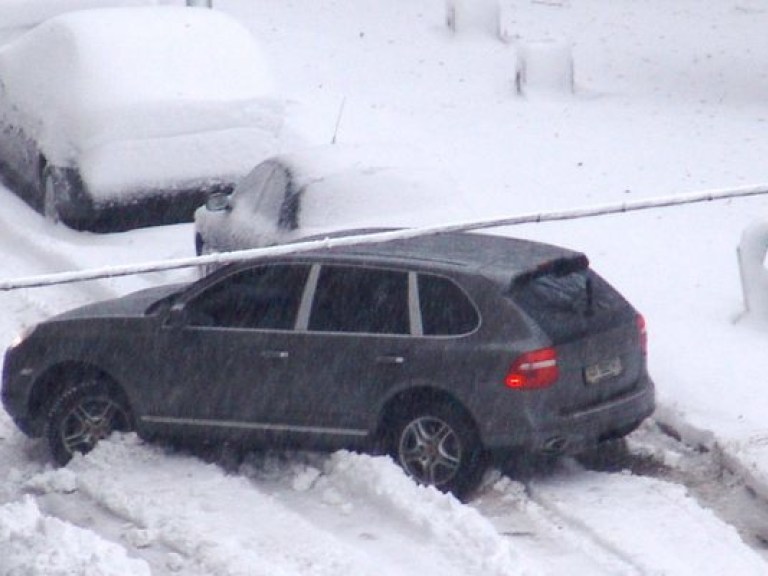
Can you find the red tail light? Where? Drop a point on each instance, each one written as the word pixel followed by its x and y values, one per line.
pixel 643 333
pixel 536 369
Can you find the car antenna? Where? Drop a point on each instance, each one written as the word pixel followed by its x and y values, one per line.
pixel 338 120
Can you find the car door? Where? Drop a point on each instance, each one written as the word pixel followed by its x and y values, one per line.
pixel 226 351
pixel 353 346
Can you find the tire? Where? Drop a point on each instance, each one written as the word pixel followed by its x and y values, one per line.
pixel 81 417
pixel 437 445
pixel 51 194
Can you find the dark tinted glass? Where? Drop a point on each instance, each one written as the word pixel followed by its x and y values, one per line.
pixel 445 308
pixel 562 304
pixel 266 297
pixel 360 300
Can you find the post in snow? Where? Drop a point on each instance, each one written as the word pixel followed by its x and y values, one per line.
pixel 473 16
pixel 544 66
pixel 754 275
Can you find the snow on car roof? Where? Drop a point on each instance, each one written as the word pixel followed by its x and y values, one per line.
pixel 133 73
pixel 141 54
pixel 363 186
pixel 24 13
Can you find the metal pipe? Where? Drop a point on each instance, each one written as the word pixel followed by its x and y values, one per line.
pixel 279 250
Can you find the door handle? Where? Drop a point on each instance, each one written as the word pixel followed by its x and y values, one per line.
pixel 276 354
pixel 390 360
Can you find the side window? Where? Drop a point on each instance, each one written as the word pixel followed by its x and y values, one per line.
pixel 266 297
pixel 368 300
pixel 445 308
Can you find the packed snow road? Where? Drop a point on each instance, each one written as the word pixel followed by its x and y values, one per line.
pixel 145 509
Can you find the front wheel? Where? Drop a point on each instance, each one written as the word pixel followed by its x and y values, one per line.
pixel 81 417
pixel 438 446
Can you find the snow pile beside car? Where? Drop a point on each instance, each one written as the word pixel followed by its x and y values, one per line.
pixel 35 544
pixel 270 536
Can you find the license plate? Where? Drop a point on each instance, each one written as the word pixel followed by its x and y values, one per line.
pixel 603 370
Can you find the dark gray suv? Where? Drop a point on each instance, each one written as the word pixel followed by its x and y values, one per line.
pixel 439 349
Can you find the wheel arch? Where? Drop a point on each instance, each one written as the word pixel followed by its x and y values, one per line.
pixel 57 379
pixel 410 399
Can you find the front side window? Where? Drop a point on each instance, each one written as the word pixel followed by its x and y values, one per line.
pixel 365 300
pixel 445 308
pixel 264 298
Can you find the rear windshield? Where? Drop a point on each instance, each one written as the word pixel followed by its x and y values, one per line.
pixel 562 297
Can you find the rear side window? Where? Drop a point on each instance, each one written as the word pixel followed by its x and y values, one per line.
pixel 445 309
pixel 366 300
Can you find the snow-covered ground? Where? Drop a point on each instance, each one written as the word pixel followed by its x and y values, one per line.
pixel 669 98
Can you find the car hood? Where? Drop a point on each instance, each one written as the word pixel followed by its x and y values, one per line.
pixel 134 304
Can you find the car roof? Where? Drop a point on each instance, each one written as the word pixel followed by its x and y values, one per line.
pixel 497 257
pixel 161 52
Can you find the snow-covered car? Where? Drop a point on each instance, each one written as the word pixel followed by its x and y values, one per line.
pixel 322 190
pixel 18 16
pixel 438 349
pixel 124 117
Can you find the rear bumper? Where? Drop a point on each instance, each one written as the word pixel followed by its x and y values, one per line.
pixel 578 431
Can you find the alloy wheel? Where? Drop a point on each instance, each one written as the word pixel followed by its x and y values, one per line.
pixel 430 451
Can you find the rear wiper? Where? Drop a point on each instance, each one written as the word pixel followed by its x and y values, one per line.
pixel 590 297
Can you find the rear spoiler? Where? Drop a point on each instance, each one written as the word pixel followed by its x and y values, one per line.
pixel 555 267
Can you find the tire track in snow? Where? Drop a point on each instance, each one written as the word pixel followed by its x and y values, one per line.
pixel 653 523
pixel 569 546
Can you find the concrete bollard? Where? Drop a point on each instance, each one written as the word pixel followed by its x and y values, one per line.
pixel 754 275
pixel 473 16
pixel 544 66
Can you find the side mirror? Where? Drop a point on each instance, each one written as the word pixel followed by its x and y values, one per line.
pixel 176 317
pixel 218 202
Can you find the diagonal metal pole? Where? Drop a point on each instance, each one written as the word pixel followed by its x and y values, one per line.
pixel 256 253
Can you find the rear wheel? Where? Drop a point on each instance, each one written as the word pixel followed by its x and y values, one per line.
pixel 437 445
pixel 82 416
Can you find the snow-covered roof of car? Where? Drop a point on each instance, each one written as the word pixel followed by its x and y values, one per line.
pixel 110 76
pixel 122 56
pixel 27 13
pixel 343 187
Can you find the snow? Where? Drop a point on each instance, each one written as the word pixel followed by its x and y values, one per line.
pixel 341 187
pixel 28 13
pixel 193 87
pixel 668 98
pixel 38 545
